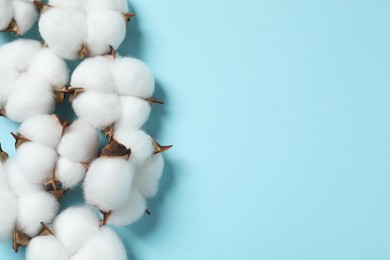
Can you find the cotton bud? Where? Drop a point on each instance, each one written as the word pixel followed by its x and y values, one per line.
pixel 19 183
pixel 74 227
pixel 69 173
pixel 108 183
pixel 90 26
pixel 103 245
pixel 133 209
pixel 44 129
pixel 147 176
pixel 46 248
pixel 79 143
pixel 17 16
pixel 36 162
pixel 8 213
pixel 32 80
pixel 34 209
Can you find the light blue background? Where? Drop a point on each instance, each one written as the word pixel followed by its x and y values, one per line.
pixel 279 113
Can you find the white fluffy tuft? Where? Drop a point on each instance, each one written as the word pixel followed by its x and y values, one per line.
pixel 46 248
pixel 148 175
pixel 69 173
pixel 8 213
pixel 108 183
pixel 134 114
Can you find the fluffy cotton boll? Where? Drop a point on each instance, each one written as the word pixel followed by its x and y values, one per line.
pixel 19 184
pixel 108 183
pixel 64 31
pixel 135 113
pixel 138 141
pixel 43 129
pixel 74 227
pixel 36 162
pixel 78 5
pixel 80 142
pixel 3 177
pixel 100 109
pixel 5 14
pixel 103 245
pixel 117 5
pixel 8 213
pixel 69 173
pixel 18 54
pixel 34 209
pixel 132 210
pixel 7 76
pixel 105 28
pixel 94 74
pixel 46 248
pixel 25 15
pixel 133 78
pixel 31 96
pixel 147 176
pixel 49 66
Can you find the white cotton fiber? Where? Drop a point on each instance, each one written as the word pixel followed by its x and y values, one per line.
pixel 103 245
pixel 69 173
pixel 74 227
pixel 18 54
pixel 108 183
pixel 94 74
pixel 135 113
pixel 64 31
pixel 118 5
pixel 105 28
pixel 36 162
pixel 7 76
pixel 34 209
pixel 133 209
pixel 138 141
pixel 49 66
pixel 98 108
pixel 25 15
pixel 31 96
pixel 3 177
pixel 8 213
pixel 19 183
pixel 46 248
pixel 133 78
pixel 147 176
pixel 80 142
pixel 44 129
pixel 5 14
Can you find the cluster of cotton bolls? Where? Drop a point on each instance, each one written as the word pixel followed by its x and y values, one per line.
pixel 17 16
pixel 41 170
pixel 32 80
pixel 76 234
pixel 90 26
pixel 117 99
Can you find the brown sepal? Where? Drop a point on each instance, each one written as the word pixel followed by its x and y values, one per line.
pixel 19 239
pixel 84 52
pixel 147 211
pixel 109 132
pixel 106 217
pixel 46 231
pixel 3 155
pixel 74 92
pixel 19 139
pixel 112 52
pixel 42 7
pixel 154 101
pixel 12 28
pixel 116 149
pixel 128 16
pixel 60 94
pixel 159 148
pixel 2 111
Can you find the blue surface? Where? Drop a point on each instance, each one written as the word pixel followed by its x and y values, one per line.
pixel 279 113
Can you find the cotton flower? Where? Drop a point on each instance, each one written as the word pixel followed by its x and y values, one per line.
pixel 73 29
pixel 32 80
pixel 76 235
pixel 17 16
